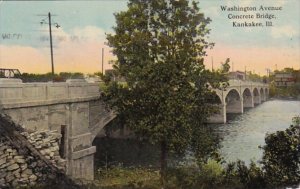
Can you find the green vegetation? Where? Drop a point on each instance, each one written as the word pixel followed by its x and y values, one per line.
pixel 280 167
pixel 61 77
pixel 119 177
pixel 160 47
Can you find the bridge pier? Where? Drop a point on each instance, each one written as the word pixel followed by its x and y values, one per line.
pixel 234 105
pixel 219 117
pixel 248 102
pixel 257 100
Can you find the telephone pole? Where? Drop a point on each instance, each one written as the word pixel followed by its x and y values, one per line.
pixel 212 64
pixel 51 46
pixel 50 33
pixel 102 60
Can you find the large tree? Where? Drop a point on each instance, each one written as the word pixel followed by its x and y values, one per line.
pixel 160 45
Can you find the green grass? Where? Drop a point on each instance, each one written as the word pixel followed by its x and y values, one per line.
pixel 118 177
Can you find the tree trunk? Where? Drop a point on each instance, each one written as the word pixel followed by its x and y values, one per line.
pixel 163 163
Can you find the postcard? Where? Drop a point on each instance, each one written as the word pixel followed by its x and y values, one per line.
pixel 149 93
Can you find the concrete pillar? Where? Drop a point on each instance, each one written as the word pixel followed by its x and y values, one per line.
pixel 235 106
pixel 248 101
pixel 257 100
pixel 219 117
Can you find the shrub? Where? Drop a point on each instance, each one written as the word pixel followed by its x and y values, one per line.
pixel 281 158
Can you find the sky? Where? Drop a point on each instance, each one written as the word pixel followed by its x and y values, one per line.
pixel 24 41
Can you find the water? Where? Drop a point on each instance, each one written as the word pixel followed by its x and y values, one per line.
pixel 244 133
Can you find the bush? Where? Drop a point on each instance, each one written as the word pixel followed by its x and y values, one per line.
pixel 281 158
pixel 211 173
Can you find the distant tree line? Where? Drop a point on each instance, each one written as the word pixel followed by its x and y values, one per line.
pixel 61 77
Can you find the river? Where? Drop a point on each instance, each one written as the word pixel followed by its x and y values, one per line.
pixel 241 136
pixel 245 132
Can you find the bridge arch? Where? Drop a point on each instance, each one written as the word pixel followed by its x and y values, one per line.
pixel 234 102
pixel 248 98
pixel 256 96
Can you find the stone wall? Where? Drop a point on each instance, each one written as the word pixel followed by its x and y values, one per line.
pixel 28 158
pixel 20 170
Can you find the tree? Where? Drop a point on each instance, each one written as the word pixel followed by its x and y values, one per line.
pixel 160 46
pixel 225 66
pixel 281 157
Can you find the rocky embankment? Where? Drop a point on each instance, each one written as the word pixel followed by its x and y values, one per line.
pixel 27 159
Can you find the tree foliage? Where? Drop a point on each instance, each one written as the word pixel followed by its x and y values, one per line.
pixel 225 66
pixel 61 77
pixel 160 46
pixel 281 158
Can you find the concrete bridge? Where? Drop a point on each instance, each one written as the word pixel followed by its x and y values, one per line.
pixel 237 96
pixel 73 108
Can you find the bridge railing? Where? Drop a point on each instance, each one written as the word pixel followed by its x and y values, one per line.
pixel 13 91
pixel 235 82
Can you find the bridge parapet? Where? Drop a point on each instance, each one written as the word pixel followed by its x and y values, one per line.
pixel 234 82
pixel 14 93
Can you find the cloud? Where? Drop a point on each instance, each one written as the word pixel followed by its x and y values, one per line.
pixel 76 51
pixel 284 31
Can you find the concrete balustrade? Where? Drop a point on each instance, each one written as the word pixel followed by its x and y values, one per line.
pixel 14 93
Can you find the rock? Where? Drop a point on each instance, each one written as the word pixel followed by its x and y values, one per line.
pixel 20 161
pixel 4 165
pixel 18 157
pixel 51 154
pixel 13 167
pixel 33 164
pixel 2 161
pixel 9 150
pixel 2 182
pixel 33 177
pixel 43 152
pixel 22 181
pixel 3 155
pixel 16 172
pixel 14 152
pixel 14 183
pixel 23 166
pixel 12 161
pixel 26 172
pixel 9 177
pixel 2 148
pixel 3 173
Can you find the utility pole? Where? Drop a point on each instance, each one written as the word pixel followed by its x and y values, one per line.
pixel 51 46
pixel 212 64
pixel 232 67
pixel 102 60
pixel 50 33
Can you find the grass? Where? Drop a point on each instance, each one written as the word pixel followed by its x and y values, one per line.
pixel 119 177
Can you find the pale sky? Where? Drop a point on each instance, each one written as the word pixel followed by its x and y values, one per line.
pixel 24 42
